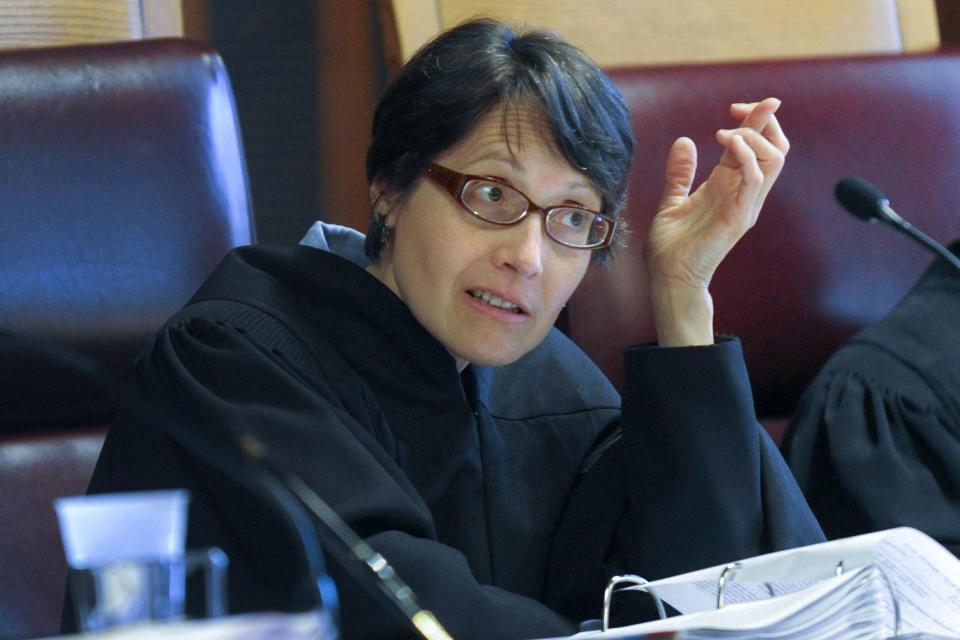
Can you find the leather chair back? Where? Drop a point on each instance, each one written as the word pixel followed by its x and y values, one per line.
pixel 35 468
pixel 122 185
pixel 808 275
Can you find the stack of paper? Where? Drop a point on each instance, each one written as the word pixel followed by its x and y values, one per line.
pixel 852 606
pixel 885 578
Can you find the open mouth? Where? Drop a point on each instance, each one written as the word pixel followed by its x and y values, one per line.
pixel 496 301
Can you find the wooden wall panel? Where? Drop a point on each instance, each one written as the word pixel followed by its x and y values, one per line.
pixel 623 32
pixel 196 19
pixel 349 83
pixel 948 16
pixel 33 23
pixel 918 24
pixel 162 18
pixel 407 24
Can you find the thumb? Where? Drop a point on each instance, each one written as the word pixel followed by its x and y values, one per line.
pixel 681 167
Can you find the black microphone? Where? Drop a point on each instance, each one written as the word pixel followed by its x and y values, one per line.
pixel 867 202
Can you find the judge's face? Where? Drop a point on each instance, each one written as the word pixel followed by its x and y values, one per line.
pixel 488 293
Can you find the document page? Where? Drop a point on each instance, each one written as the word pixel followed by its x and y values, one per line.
pixel 926 578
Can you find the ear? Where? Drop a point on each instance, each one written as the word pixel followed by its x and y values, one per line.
pixel 376 188
pixel 383 200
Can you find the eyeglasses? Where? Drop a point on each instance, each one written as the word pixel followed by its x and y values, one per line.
pixel 497 202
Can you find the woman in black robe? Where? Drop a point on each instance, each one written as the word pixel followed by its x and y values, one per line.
pixel 420 389
pixel 875 442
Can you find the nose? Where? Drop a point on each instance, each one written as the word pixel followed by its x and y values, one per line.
pixel 521 246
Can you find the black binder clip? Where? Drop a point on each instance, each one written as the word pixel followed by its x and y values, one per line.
pixel 631 580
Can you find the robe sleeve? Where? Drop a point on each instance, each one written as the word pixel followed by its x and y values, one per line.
pixel 222 383
pixel 694 480
pixel 873 447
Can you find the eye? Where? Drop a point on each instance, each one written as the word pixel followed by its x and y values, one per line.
pixel 572 218
pixel 490 192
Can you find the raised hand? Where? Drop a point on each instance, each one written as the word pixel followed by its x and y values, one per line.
pixel 693 232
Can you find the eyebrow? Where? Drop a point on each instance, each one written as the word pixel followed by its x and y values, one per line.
pixel 497 155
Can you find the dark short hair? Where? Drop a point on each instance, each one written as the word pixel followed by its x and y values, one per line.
pixel 465 72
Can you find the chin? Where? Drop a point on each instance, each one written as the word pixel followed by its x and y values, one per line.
pixel 496 357
pixel 494 361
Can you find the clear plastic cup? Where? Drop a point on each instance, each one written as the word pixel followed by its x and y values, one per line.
pixel 127 558
pixel 101 529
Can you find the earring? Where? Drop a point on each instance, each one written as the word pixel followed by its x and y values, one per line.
pixel 386 232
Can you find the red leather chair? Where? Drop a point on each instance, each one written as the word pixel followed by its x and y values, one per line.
pixel 808 275
pixel 122 183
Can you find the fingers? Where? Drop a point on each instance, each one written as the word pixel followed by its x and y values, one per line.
pixel 770 157
pixel 752 179
pixel 775 135
pixel 680 170
pixel 748 158
pixel 756 114
pixel 757 160
pixel 761 132
pixel 760 116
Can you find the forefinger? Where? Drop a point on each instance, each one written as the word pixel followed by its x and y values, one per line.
pixel 756 115
pixel 771 130
pixel 774 133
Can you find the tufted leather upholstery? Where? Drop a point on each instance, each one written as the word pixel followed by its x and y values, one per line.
pixel 808 275
pixel 122 184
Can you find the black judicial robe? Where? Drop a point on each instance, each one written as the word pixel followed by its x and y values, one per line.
pixel 505 497
pixel 875 442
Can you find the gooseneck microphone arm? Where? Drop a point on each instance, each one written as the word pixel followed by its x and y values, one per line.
pixel 389 582
pixel 868 203
pixel 285 490
pixel 897 222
